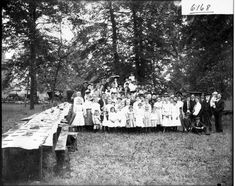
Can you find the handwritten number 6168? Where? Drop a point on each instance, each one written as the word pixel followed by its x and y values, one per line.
pixel 200 7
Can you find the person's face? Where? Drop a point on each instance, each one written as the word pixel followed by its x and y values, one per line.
pixel 207 98
pixel 154 97
pixel 179 98
pixel 109 101
pixel 197 99
pixel 192 97
pixel 79 94
pixel 128 102
pixel 219 96
pixel 159 99
pixel 188 98
pixel 175 99
pixel 146 100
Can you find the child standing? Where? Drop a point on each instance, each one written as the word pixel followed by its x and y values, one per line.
pixel 147 115
pixel 139 114
pixel 130 118
pixel 96 120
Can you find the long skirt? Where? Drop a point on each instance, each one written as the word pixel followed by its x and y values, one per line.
pixel 88 118
pixel 159 116
pixel 175 122
pixel 78 120
pixel 166 121
pixel 139 121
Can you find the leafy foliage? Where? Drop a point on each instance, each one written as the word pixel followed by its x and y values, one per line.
pixel 150 38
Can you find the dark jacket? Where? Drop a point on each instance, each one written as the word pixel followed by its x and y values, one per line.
pixel 192 104
pixel 206 109
pixel 219 107
pixel 185 107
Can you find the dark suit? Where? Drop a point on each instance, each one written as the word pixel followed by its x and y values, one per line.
pixel 186 106
pixel 192 104
pixel 102 103
pixel 206 114
pixel 218 112
pixel 186 122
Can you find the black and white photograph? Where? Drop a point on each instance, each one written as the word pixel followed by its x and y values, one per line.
pixel 117 92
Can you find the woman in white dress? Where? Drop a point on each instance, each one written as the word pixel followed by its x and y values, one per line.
pixel 166 113
pixel 158 112
pixel 175 115
pixel 180 104
pixel 78 110
pixel 107 107
pixel 139 115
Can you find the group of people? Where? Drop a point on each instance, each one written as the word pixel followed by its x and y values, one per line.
pixel 113 107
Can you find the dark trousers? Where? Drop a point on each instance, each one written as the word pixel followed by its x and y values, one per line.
pixel 206 119
pixel 218 122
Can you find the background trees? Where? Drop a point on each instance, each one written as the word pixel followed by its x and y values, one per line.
pixel 150 38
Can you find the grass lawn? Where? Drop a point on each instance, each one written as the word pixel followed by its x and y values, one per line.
pixel 12 113
pixel 138 159
pixel 153 158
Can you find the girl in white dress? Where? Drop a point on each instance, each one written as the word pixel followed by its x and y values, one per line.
pixel 139 115
pixel 96 120
pixel 130 118
pixel 147 116
pixel 107 107
pixel 113 118
pixel 154 117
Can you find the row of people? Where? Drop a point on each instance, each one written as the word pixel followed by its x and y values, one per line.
pixel 138 110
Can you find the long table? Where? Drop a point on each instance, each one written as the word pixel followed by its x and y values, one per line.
pixel 38 131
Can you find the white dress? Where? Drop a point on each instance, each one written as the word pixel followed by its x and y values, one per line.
pixel 113 119
pixel 79 112
pixel 166 115
pixel 158 112
pixel 147 119
pixel 106 115
pixel 139 115
pixel 175 113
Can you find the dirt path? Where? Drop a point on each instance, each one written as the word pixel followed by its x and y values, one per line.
pixel 153 158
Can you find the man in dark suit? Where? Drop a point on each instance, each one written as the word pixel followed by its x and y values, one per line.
pixel 187 114
pixel 192 103
pixel 206 114
pixel 218 112
pixel 83 89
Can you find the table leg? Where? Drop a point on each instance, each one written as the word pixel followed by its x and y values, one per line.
pixel 40 162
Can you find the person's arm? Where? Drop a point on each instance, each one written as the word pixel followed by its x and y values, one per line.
pixel 221 107
pixel 197 109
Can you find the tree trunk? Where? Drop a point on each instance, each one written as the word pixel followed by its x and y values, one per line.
pixel 27 91
pixel 114 38
pixel 55 81
pixel 32 68
pixel 136 47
